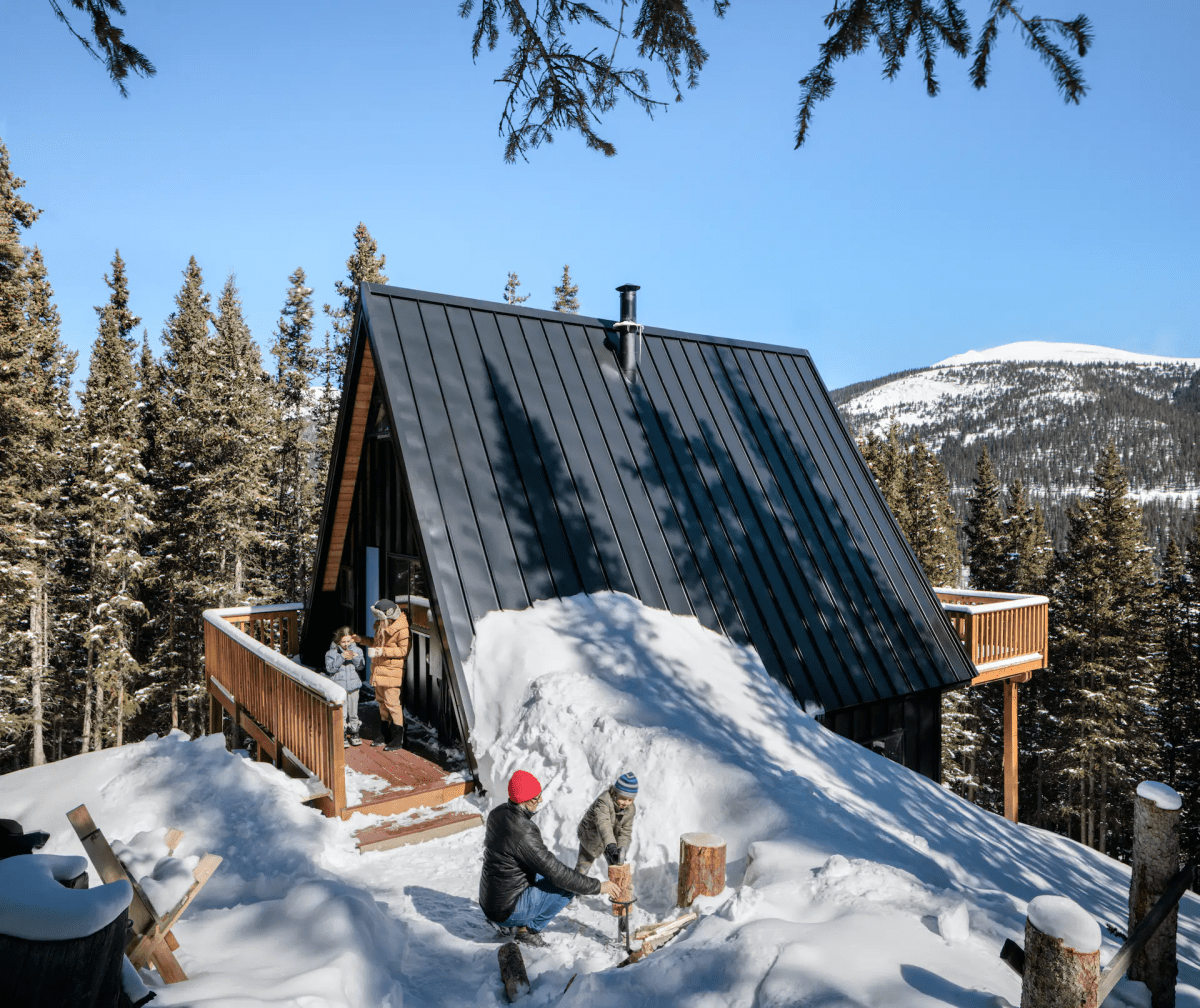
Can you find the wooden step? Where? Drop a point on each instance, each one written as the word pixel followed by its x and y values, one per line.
pixel 400 831
pixel 412 782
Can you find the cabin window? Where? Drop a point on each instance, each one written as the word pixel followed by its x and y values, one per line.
pixel 406 576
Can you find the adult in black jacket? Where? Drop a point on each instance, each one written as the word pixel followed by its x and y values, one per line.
pixel 523 885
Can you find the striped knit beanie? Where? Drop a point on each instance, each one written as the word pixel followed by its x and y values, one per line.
pixel 627 784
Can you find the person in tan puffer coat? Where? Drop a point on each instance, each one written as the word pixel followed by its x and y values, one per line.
pixel 388 649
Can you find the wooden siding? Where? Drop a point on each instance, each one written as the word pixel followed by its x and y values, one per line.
pixel 354 435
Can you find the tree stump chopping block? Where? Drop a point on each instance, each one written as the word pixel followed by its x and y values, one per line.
pixel 621 875
pixel 512 971
pixel 701 867
pixel 1057 974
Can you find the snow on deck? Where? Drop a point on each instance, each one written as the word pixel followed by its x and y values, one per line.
pixel 852 881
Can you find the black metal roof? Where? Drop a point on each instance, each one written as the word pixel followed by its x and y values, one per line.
pixel 721 484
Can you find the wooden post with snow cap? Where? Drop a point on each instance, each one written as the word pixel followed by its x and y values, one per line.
pixel 701 867
pixel 1155 863
pixel 1062 956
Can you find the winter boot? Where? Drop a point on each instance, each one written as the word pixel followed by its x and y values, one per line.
pixel 354 739
pixel 397 739
pixel 385 734
pixel 533 938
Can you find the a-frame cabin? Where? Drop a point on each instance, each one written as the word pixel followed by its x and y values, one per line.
pixel 488 455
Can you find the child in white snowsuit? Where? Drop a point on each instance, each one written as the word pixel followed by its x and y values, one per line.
pixel 344 663
pixel 607 826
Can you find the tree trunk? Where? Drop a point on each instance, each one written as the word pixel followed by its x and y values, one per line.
pixel 1056 976
pixel 37 671
pixel 1155 862
pixel 86 742
pixel 701 867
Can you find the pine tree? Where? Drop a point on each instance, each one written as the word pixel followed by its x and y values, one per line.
pixel 296 480
pixel 510 290
pixel 114 506
pixel 48 367
pixel 180 470
pixel 365 265
pixel 933 526
pixel 18 426
pixel 888 461
pixel 1103 684
pixel 1027 544
pixel 988 555
pixel 566 294
pixel 1179 687
pixel 237 502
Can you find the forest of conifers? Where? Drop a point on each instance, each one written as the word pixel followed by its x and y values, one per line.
pixel 1120 702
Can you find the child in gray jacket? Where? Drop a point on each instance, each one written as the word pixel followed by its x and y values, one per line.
pixel 607 826
pixel 344 663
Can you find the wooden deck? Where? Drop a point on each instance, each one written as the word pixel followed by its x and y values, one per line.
pixel 412 781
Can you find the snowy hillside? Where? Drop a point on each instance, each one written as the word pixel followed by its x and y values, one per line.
pixel 1044 411
pixel 852 881
pixel 1066 353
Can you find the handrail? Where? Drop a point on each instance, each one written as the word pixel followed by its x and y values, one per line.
pixel 999 629
pixel 1005 600
pixel 317 683
pixel 293 712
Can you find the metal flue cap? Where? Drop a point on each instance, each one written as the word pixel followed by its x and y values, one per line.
pixel 629 302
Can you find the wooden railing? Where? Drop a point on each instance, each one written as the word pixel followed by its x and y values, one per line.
pixel 1004 634
pixel 293 714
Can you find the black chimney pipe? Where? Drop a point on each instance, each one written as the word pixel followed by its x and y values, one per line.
pixel 630 349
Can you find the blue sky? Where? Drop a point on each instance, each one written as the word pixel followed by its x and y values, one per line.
pixel 906 230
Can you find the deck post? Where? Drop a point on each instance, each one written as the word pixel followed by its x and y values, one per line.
pixel 216 716
pixel 1156 813
pixel 1010 749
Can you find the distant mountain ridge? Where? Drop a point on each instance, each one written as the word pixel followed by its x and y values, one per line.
pixel 1045 411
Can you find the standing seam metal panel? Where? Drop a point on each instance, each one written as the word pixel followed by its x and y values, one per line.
pixel 806 585
pixel 732 543
pixel 900 568
pixel 663 571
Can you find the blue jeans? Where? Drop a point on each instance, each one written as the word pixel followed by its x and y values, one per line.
pixel 537 905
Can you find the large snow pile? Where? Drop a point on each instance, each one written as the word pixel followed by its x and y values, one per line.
pixel 852 881
pixel 1070 353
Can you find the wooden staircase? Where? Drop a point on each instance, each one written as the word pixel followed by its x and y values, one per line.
pixel 413 799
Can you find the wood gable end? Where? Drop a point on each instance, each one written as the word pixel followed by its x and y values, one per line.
pixel 343 500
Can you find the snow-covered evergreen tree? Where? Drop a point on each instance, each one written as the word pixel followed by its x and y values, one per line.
pixel 114 501
pixel 1102 687
pixel 238 500
pixel 18 427
pixel 987 544
pixel 297 506
pixel 1027 544
pixel 180 457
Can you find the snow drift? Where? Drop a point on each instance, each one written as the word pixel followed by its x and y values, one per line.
pixel 852 881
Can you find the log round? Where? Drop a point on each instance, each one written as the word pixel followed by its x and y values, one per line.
pixel 1155 862
pixel 81 972
pixel 701 867
pixel 621 875
pixel 1056 976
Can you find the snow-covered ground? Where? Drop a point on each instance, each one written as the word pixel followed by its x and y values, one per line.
pixel 852 881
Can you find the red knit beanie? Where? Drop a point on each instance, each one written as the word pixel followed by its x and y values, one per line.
pixel 523 786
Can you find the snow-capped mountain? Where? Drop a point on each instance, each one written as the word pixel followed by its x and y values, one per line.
pixel 1045 411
